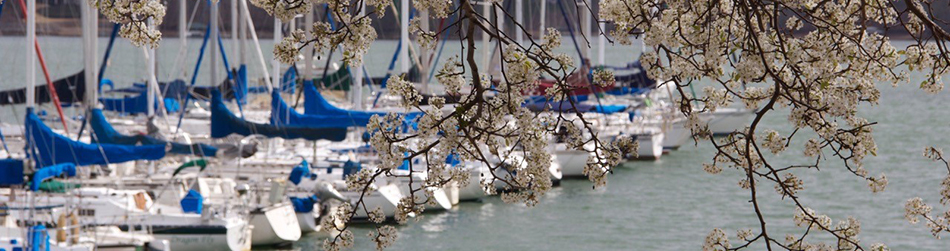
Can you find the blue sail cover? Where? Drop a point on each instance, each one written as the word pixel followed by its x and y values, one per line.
pixel 39 238
pixel 224 123
pixel 240 93
pixel 50 172
pixel 283 114
pixel 193 202
pixel 304 205
pixel 301 171
pixel 315 104
pixel 106 134
pixel 11 172
pixel 49 148
pixel 135 104
pixel 545 105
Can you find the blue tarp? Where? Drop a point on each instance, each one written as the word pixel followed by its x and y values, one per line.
pixel 283 114
pixel 315 104
pixel 301 171
pixel 51 171
pixel 49 148
pixel 351 167
pixel 609 109
pixel 304 205
pixel 566 106
pixel 558 106
pixel 452 160
pixel 136 104
pixel 224 123
pixel 636 80
pixel 39 238
pixel 193 202
pixel 105 133
pixel 240 92
pixel 11 172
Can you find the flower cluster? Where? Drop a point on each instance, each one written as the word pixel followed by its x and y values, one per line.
pixel 716 240
pixel 915 208
pixel 604 77
pixel 802 56
pixel 439 8
pixel 285 9
pixel 134 15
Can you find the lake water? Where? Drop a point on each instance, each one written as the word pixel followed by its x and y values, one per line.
pixel 670 204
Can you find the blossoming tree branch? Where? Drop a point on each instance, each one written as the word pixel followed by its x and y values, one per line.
pixel 812 62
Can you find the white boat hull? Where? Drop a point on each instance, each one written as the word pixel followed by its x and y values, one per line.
pixel 726 121
pixel 308 221
pixel 234 237
pixel 473 190
pixel 675 136
pixel 650 146
pixel 572 162
pixel 274 225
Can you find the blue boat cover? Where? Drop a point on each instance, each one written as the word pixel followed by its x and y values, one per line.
pixel 558 106
pixel 105 133
pixel 301 171
pixel 351 167
pixel 39 238
pixel 11 172
pixel 224 123
pixel 304 205
pixel 240 92
pixel 49 148
pixel 452 160
pixel 192 203
pixel 609 109
pixel 283 114
pixel 136 104
pixel 315 104
pixel 565 106
pixel 51 171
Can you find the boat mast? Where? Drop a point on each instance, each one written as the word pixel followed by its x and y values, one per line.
pixel 404 36
pixel 585 31
pixel 152 82
pixel 183 32
pixel 31 54
pixel 519 17
pixel 90 34
pixel 235 13
pixel 275 64
pixel 242 34
pixel 601 42
pixel 358 75
pixel 486 54
pixel 544 7
pixel 213 51
pixel 426 59
pixel 307 73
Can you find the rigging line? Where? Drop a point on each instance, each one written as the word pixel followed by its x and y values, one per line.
pixel 326 66
pixel 2 139
pixel 412 50
pixel 49 82
pixel 570 29
pixel 201 54
pixel 182 56
pixel 445 38
pixel 105 59
pixel 500 29
pixel 237 79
